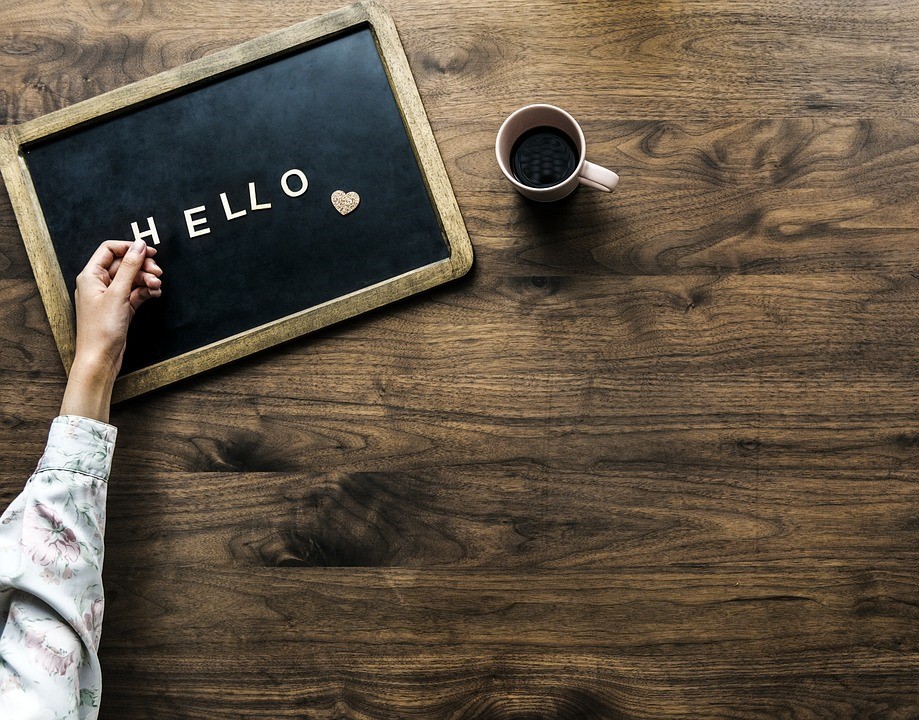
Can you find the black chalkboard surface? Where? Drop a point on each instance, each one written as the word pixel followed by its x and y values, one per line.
pixel 214 173
pixel 327 111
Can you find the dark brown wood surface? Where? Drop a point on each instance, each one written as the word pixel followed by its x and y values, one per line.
pixel 656 457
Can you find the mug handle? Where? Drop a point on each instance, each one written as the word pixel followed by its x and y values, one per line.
pixel 598 177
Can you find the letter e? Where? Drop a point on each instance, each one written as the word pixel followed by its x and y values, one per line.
pixel 193 223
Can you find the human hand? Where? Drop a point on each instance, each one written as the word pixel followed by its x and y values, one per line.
pixel 118 279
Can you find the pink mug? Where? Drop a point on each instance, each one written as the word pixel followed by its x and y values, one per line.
pixel 581 172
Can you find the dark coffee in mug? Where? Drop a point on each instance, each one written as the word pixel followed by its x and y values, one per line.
pixel 543 156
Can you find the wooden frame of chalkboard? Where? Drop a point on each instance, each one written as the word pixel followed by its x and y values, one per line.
pixel 47 269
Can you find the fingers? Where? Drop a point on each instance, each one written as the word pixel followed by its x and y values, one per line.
pixel 151 281
pixel 96 267
pixel 140 295
pixel 149 266
pixel 109 253
pixel 143 279
pixel 131 263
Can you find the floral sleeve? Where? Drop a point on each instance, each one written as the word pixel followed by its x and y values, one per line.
pixel 51 578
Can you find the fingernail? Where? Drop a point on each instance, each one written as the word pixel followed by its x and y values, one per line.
pixel 139 246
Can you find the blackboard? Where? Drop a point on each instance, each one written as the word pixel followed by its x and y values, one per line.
pixel 230 172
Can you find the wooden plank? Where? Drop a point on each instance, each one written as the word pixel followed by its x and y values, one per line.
pixel 513 515
pixel 244 436
pixel 706 196
pixel 778 58
pixel 711 392
pixel 626 369
pixel 653 642
pixel 511 326
pixel 231 680
pixel 765 197
pixel 629 611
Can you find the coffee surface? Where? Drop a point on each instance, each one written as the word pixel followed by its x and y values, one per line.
pixel 543 156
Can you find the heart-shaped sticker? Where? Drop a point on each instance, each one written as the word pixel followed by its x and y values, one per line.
pixel 345 202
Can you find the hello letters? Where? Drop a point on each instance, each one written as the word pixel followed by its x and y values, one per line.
pixel 294 183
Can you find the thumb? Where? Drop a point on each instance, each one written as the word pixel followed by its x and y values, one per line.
pixel 130 265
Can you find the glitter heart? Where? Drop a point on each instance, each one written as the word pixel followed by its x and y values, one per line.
pixel 345 202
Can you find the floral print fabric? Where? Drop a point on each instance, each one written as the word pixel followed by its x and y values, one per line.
pixel 51 578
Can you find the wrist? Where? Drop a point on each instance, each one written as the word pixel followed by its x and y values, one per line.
pixel 91 368
pixel 89 389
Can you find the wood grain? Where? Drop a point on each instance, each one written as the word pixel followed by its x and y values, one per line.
pixel 480 59
pixel 657 456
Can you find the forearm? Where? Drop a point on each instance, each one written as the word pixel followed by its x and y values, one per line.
pixel 89 389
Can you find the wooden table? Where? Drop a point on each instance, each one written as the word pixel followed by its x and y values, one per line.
pixel 656 457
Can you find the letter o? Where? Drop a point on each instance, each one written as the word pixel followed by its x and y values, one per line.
pixel 286 188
